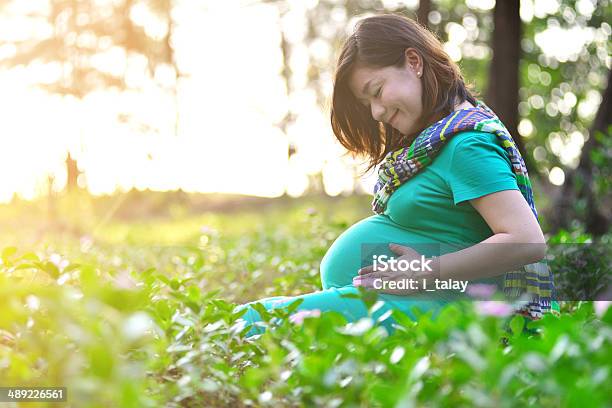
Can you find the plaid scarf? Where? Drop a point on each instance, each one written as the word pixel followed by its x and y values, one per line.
pixel 534 280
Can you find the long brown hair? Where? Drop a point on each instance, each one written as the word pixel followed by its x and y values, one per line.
pixel 378 42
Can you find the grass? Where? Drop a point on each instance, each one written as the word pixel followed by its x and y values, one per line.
pixel 135 309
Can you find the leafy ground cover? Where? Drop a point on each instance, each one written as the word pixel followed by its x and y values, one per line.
pixel 139 313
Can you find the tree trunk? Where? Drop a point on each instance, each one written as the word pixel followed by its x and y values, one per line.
pixel 579 183
pixel 503 88
pixel 72 174
pixel 423 12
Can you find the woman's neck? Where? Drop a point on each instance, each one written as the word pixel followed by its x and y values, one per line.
pixel 465 105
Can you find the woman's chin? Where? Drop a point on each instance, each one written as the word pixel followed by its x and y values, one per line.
pixel 399 128
pixel 402 128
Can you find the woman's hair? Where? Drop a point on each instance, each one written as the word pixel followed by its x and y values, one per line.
pixel 378 42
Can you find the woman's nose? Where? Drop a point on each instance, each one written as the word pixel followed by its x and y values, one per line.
pixel 378 112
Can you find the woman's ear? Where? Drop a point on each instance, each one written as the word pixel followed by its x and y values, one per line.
pixel 413 61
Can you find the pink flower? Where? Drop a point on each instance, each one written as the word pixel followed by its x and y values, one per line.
pixel 601 306
pixel 481 290
pixel 124 281
pixel 298 317
pixel 494 308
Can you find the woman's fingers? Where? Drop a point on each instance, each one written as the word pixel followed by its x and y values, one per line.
pixel 367 280
pixel 375 282
pixel 365 270
pixel 403 250
pixel 380 281
pixel 405 253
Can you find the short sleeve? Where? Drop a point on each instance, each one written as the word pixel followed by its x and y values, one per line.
pixel 479 166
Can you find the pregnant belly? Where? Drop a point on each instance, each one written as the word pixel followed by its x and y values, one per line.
pixel 355 248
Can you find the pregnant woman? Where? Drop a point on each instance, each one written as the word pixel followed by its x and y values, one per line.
pixel 453 197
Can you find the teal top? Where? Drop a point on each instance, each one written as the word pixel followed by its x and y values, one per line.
pixel 430 212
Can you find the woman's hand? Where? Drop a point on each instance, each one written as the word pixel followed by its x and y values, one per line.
pixel 403 275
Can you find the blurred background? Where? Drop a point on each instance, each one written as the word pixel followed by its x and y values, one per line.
pixel 162 159
pixel 134 109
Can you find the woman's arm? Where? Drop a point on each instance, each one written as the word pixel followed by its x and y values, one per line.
pixel 517 240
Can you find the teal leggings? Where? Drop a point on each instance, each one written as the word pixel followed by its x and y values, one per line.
pixel 330 299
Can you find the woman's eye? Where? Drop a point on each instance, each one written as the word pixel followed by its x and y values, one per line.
pixel 378 92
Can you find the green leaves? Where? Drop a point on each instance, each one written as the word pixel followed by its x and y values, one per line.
pixel 175 338
pixel 517 323
pixel 7 254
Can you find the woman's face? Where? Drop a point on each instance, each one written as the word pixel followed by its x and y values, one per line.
pixel 392 94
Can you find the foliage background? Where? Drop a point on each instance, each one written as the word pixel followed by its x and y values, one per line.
pixel 127 298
